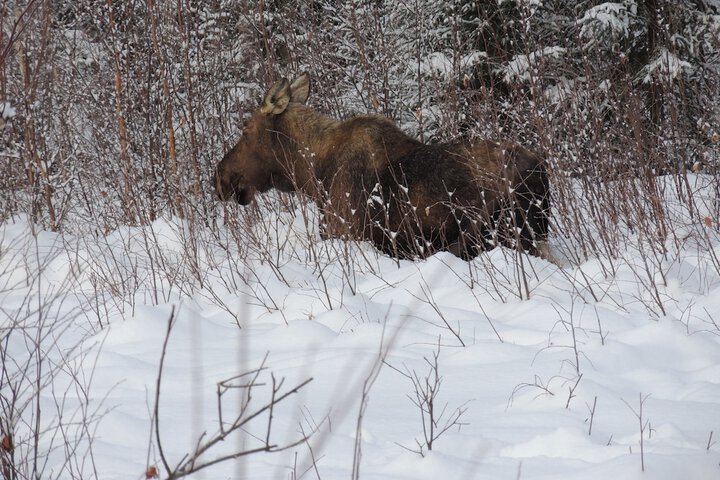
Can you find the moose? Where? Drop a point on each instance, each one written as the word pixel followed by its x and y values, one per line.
pixel 371 181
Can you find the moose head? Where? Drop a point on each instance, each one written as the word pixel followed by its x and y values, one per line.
pixel 253 164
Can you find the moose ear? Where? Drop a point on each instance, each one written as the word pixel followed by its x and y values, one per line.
pixel 300 88
pixel 277 98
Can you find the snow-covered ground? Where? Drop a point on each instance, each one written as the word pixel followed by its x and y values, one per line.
pixel 563 384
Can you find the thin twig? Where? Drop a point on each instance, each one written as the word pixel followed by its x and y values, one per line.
pixel 156 410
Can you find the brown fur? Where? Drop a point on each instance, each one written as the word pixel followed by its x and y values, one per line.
pixel 371 181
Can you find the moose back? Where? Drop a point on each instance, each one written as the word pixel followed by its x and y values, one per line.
pixel 373 182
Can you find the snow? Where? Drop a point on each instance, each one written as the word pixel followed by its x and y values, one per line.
pixel 609 17
pixel 442 64
pixel 519 69
pixel 524 372
pixel 7 111
pixel 665 67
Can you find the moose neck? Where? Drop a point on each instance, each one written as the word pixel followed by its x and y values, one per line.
pixel 308 136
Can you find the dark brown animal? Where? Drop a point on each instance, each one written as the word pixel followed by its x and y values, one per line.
pixel 373 182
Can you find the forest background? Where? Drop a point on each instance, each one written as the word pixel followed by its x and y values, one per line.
pixel 119 110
